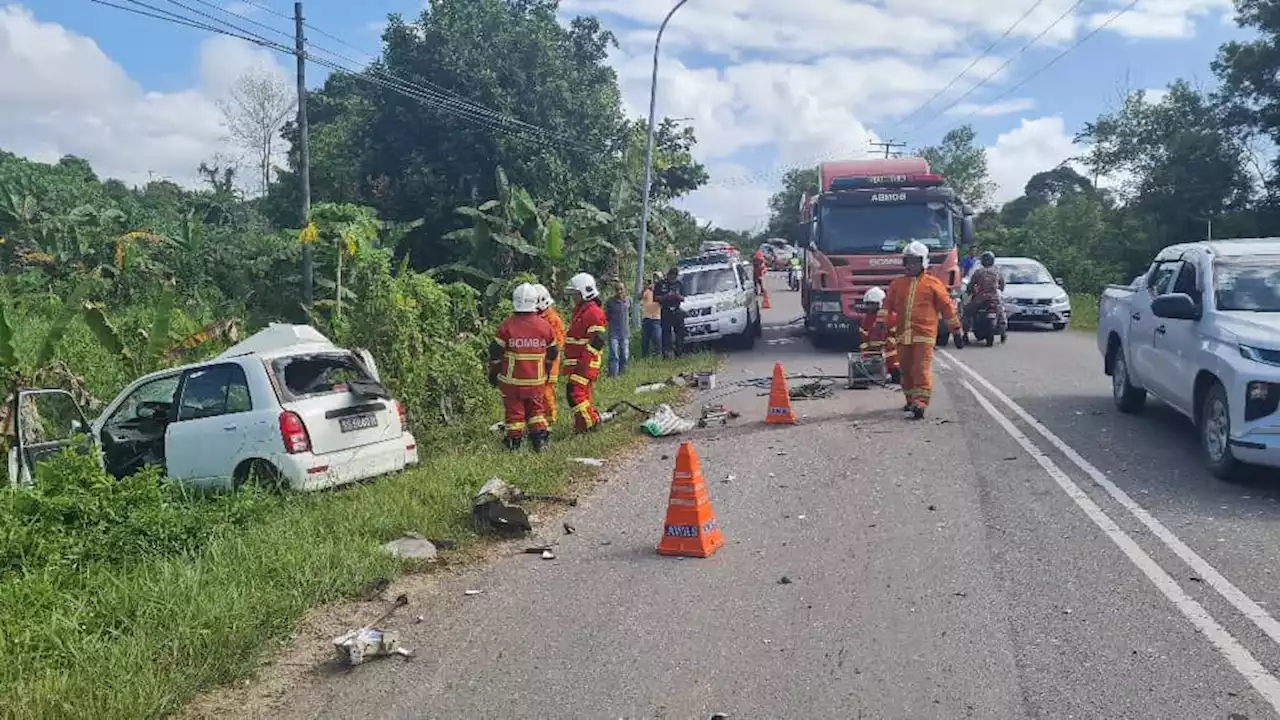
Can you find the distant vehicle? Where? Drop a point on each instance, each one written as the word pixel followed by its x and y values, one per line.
pixel 778 253
pixel 853 228
pixel 720 301
pixel 1031 294
pixel 717 246
pixel 285 407
pixel 1202 333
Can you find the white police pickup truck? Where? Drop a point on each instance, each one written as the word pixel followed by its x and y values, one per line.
pixel 720 300
pixel 1201 330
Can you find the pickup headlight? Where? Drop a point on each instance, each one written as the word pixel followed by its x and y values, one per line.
pixel 827 306
pixel 1061 299
pixel 1251 353
pixel 725 305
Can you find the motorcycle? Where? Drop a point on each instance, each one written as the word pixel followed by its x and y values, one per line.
pixel 986 322
pixel 793 278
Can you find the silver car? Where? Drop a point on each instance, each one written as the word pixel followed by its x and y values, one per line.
pixel 1031 294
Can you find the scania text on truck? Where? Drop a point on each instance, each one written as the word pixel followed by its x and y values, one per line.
pixel 853 230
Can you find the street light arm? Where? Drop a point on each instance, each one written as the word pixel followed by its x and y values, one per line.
pixel 648 161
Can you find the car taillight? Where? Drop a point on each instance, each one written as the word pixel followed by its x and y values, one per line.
pixel 294 433
pixel 404 417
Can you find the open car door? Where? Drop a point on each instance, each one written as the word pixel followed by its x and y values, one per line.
pixel 44 423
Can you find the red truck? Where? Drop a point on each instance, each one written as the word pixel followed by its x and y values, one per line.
pixel 853 230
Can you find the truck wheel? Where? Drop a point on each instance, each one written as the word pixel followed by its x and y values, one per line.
pixel 1215 434
pixel 1128 398
pixel 820 341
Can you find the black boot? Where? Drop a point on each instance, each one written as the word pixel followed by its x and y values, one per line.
pixel 512 443
pixel 539 441
pixel 917 412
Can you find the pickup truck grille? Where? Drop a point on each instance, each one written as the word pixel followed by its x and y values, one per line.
pixel 698 312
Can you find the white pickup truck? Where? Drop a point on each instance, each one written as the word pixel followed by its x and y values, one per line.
pixel 1201 331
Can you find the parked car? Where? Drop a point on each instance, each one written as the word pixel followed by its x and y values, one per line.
pixel 285 407
pixel 1202 333
pixel 720 300
pixel 1031 295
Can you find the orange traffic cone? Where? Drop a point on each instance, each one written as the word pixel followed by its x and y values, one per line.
pixel 766 305
pixel 690 528
pixel 779 400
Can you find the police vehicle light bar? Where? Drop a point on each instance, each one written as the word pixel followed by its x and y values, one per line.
pixel 711 258
pixel 886 181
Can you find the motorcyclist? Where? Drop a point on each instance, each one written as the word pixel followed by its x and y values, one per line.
pixel 793 274
pixel 985 288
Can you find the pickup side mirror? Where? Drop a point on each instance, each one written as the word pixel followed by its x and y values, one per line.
pixel 1175 306
pixel 966 231
pixel 1059 281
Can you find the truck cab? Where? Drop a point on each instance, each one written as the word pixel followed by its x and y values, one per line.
pixel 853 231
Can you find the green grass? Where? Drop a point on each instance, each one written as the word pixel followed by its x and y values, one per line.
pixel 139 635
pixel 1084 312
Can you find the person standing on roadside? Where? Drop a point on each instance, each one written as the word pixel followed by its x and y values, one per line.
pixel 520 356
pixel 670 293
pixel 548 312
pixel 584 349
pixel 617 310
pixel 651 320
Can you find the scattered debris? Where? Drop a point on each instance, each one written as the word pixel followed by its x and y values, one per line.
pixel 782 452
pixel 1196 579
pixel 472 592
pixel 443 544
pixel 606 542
pixel 593 462
pixel 537 550
pixel 569 529
pixel 548 555
pixel 495 507
pixel 933 508
pixel 960 594
pixel 664 421
pixel 716 414
pixel 729 479
pixel 1066 611
pixel 800 517
pixel 651 387
pixel 784 580
pixel 419 618
pixel 359 645
pixel 412 545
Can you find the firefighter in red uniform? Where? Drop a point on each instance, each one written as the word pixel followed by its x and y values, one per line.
pixel 584 350
pixel 877 337
pixel 520 358
pixel 760 268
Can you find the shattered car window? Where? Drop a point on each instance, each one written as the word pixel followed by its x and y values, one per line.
pixel 49 417
pixel 325 374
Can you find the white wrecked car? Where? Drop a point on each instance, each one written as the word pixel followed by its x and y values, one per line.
pixel 284 408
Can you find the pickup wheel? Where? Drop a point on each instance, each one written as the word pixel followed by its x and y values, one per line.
pixel 1215 434
pixel 747 339
pixel 1128 398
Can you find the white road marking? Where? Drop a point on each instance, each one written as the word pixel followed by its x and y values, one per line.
pixel 1236 654
pixel 1224 587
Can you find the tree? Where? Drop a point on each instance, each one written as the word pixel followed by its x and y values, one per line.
pixel 784 205
pixel 963 163
pixel 257 109
pixel 675 172
pixel 1044 188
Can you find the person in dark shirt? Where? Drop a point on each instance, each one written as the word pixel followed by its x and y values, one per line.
pixel 617 310
pixel 670 293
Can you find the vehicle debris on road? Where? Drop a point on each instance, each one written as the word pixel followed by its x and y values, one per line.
pixel 495 506
pixel 412 545
pixel 369 641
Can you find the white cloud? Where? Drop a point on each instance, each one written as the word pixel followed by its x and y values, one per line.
pixel 1160 18
pixel 63 96
pixel 1032 147
pixel 1005 107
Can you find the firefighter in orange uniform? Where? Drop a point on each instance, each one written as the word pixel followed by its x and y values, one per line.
pixel 584 350
pixel 917 299
pixel 548 313
pixel 519 358
pixel 877 337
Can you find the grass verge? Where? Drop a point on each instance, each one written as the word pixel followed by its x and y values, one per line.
pixel 139 636
pixel 1084 312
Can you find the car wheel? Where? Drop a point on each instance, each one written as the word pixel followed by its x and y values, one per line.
pixel 747 338
pixel 758 326
pixel 260 474
pixel 1128 398
pixel 1059 326
pixel 1215 434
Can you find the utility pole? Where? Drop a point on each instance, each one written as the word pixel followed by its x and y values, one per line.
pixel 888 146
pixel 304 153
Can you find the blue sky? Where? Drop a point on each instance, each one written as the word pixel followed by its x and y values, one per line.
pixel 769 85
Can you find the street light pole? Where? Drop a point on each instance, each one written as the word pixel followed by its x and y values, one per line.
pixel 648 164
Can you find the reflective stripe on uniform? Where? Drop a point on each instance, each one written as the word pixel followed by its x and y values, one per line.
pixel 597 329
pixel 578 379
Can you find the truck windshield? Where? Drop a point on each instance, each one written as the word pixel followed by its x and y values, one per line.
pixel 1252 285
pixel 846 229
pixel 706 282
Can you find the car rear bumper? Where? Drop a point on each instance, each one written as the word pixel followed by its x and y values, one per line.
pixel 306 471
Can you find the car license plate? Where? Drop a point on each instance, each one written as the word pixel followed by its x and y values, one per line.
pixel 1034 310
pixel 357 422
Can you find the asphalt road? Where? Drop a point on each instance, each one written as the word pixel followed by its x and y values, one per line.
pixel 964 566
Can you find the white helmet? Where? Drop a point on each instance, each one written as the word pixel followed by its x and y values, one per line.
pixel 584 285
pixel 874 295
pixel 525 298
pixel 544 297
pixel 915 248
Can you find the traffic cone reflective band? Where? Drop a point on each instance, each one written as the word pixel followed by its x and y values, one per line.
pixel 766 304
pixel 690 529
pixel 779 400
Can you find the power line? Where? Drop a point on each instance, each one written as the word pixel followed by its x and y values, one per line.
pixel 972 64
pixel 496 123
pixel 1115 16
pixel 1026 46
pixel 888 146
